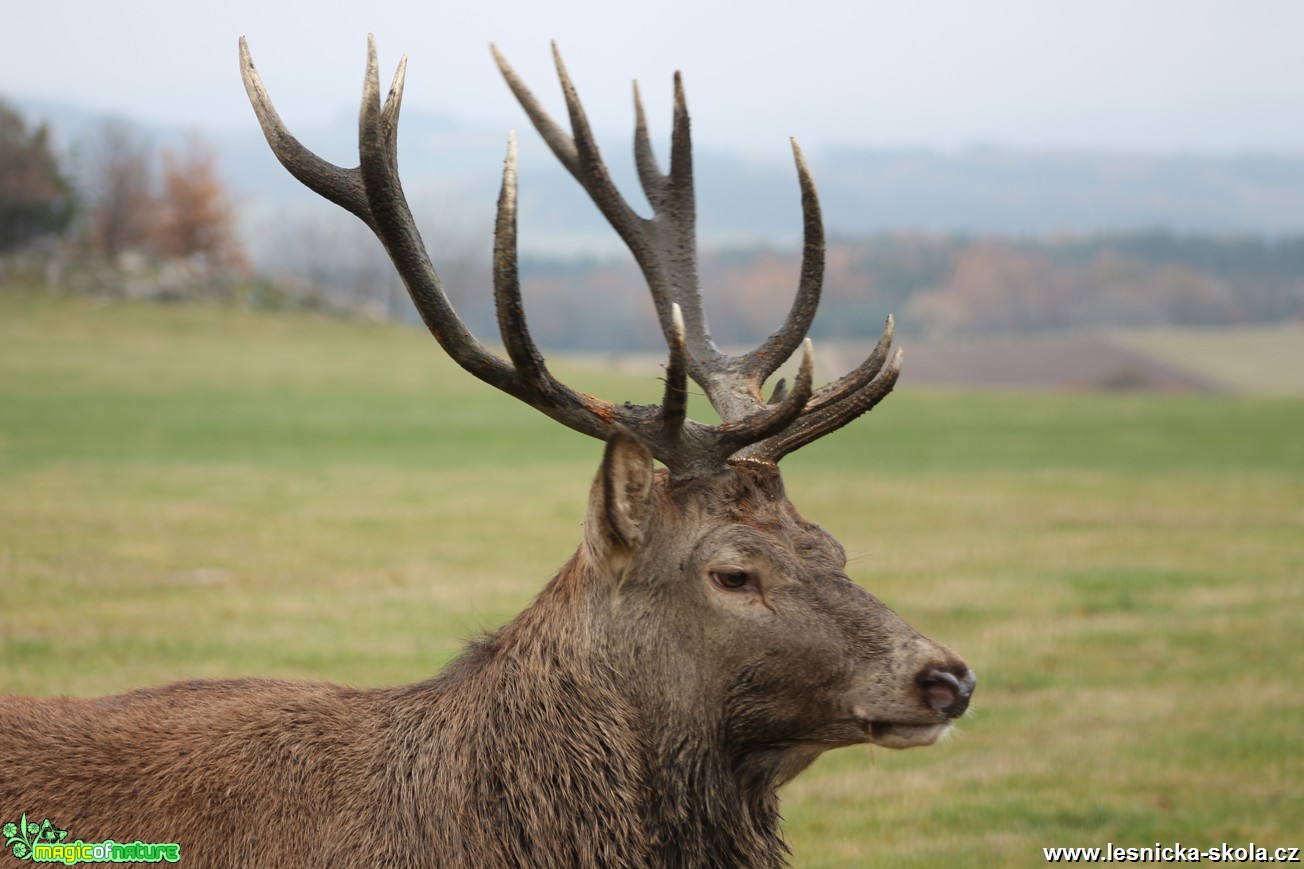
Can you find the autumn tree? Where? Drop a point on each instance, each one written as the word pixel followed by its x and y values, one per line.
pixel 35 197
pixel 119 191
pixel 196 216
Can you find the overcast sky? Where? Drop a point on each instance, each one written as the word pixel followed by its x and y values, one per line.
pixel 1207 76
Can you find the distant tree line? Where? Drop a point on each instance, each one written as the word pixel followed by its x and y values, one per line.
pixel 942 285
pixel 161 223
pixel 994 285
pixel 121 197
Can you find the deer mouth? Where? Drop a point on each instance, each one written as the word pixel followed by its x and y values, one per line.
pixel 897 734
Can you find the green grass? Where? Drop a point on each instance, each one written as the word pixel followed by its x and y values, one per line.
pixel 190 491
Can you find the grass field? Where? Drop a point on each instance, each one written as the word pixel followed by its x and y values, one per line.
pixel 205 492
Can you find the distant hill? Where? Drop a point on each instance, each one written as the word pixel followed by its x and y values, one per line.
pixel 742 201
pixel 1001 191
pixel 451 168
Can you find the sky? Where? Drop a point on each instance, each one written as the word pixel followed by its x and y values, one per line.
pixel 1193 76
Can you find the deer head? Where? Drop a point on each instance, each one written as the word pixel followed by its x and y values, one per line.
pixel 721 618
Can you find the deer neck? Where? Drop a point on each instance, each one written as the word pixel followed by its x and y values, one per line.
pixel 620 727
pixel 705 804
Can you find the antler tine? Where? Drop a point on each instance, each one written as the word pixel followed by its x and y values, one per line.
pixel 858 378
pixel 838 403
pixel 580 157
pixel 538 387
pixel 662 246
pixel 390 109
pixel 831 416
pixel 765 359
pixel 589 160
pixel 674 404
pixel 681 164
pixel 520 347
pixel 771 421
pixel 645 160
pixel 393 224
pixel 677 220
pixel 562 146
pixel 339 185
pixel 672 198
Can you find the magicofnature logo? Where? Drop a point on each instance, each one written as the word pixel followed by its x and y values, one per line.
pixel 44 843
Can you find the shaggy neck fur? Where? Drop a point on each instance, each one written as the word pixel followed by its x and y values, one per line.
pixel 567 747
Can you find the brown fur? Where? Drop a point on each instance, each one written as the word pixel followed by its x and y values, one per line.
pixel 637 714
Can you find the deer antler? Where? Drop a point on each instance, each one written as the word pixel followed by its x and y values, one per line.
pixel 664 246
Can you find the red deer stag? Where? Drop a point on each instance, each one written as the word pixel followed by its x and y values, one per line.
pixel 701 648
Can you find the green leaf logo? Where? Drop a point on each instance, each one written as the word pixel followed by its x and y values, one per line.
pixel 20 838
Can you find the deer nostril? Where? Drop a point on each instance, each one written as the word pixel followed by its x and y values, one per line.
pixel 945 692
pixel 939 693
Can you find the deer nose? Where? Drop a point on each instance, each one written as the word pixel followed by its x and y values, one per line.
pixel 947 692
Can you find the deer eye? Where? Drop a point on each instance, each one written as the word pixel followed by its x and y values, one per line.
pixel 732 580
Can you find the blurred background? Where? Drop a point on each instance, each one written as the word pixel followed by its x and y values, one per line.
pixel 986 172
pixel 225 449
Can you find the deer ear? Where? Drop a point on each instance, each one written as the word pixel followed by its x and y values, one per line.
pixel 621 499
